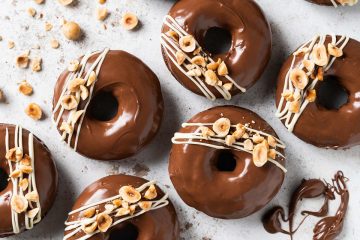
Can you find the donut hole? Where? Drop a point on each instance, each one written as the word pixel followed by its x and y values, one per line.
pixel 331 94
pixel 103 107
pixel 217 40
pixel 127 232
pixel 3 179
pixel 225 161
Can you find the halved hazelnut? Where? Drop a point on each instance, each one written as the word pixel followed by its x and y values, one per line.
pixel 24 184
pixel 257 138
pixel 89 213
pixel 206 132
pixel 228 86
pixel 211 78
pixel 173 35
pixel 32 196
pixel 104 222
pixel 36 64
pixel 11 155
pixel 222 69
pixel 26 169
pixel 90 228
pixel 129 194
pixel 73 66
pixel 15 174
pixel 116 202
pixel 294 106
pixel 65 2
pixel 145 205
pixel 319 55
pixel 187 43
pixel 91 79
pixel 19 203
pixel 25 88
pixel 260 154
pixel 248 145
pixel 34 111
pixel 230 140
pixel 151 193
pixel 101 14
pixel 299 78
pixel 22 61
pixel 199 60
pixel 271 141
pixel 222 127
pixel 66 127
pixel 75 84
pixel 334 51
pixel 84 92
pixel 311 95
pixel 309 65
pixel 129 21
pixel 122 212
pixel 32 213
pixel 272 154
pixel 69 102
pixel 180 57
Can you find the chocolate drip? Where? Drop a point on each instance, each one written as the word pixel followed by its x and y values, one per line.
pixel 329 226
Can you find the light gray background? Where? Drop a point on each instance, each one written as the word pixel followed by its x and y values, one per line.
pixel 293 22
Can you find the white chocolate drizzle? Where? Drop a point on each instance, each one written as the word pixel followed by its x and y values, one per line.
pixel 77 226
pixel 349 3
pixel 283 112
pixel 171 47
pixel 18 144
pixel 219 142
pixel 96 66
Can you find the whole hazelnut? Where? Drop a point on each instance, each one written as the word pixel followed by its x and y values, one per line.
pixel 71 30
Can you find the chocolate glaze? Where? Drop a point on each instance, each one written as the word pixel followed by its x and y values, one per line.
pixel 221 194
pixel 46 179
pixel 139 113
pixel 329 227
pixel 251 37
pixel 159 224
pixel 318 125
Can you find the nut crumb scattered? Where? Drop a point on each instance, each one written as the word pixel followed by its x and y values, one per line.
pixel 54 43
pixel 48 26
pixel 25 88
pixel 34 111
pixel 11 44
pixel 39 1
pixel 102 14
pixel 36 64
pixel 31 11
pixel 65 2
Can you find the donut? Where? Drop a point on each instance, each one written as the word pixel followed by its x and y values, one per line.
pixel 28 180
pixel 227 162
pixel 122 207
pixel 317 92
pixel 334 3
pixel 216 48
pixel 108 105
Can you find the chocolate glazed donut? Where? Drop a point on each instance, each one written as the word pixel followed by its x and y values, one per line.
pixel 224 183
pixel 235 31
pixel 333 2
pixel 125 109
pixel 46 179
pixel 158 224
pixel 330 121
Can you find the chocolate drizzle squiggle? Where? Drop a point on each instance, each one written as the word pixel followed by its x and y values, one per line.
pixel 328 227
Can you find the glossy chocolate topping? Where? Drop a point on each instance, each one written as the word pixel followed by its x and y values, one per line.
pixel 159 224
pixel 321 2
pixel 329 227
pixel 324 127
pixel 46 179
pixel 224 194
pixel 250 32
pixel 138 112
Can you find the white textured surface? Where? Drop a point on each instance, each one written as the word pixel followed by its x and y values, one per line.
pixel 293 22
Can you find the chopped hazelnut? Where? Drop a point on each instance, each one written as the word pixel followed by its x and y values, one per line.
pixel 271 141
pixel 145 205
pixel 222 69
pixel 104 222
pixel 102 1
pixel 211 78
pixel 36 64
pixel 19 203
pixel 31 11
pixel 248 145
pixel 34 111
pixel 230 140
pixel 54 43
pixel 48 26
pixel 180 57
pixel 299 78
pixel 91 79
pixel 101 14
pixel 75 84
pixel 11 44
pixel 206 132
pixel 198 60
pixel 32 213
pixel 90 228
pixel 32 196
pixel 25 88
pixel 65 2
pixel 311 95
pixel 89 213
pixel 69 102
pixel 228 86
pixel 129 194
pixel 22 61
pixel 294 106
pixel 173 35
pixel 334 51
pixel 73 66
pixel 24 184
pixel 151 193
pixel 39 1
